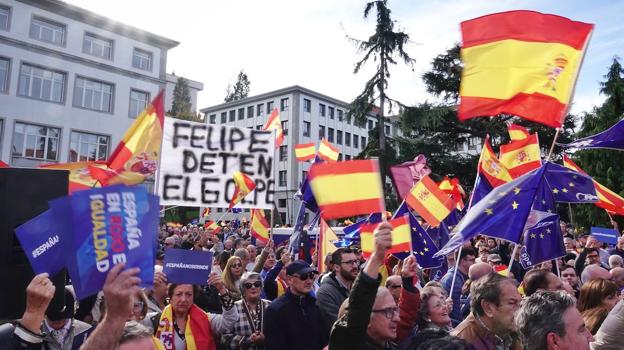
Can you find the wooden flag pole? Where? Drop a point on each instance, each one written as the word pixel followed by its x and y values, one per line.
pixel 513 255
pixel 552 147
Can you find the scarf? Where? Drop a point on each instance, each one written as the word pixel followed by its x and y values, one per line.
pixel 197 334
pixel 281 287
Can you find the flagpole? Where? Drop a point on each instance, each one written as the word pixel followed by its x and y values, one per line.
pixel 552 147
pixel 222 216
pixel 513 254
pixel 558 269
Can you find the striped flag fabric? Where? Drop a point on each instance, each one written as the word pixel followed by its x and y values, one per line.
pixel 490 166
pixel 517 132
pixel 136 157
pixel 430 202
pixel 243 185
pixel 205 213
pixel 305 151
pixel 79 174
pixel 259 226
pixel 327 237
pixel 344 189
pixel 401 236
pixel 275 123
pixel 213 225
pixel 327 151
pixel 522 63
pixel 522 156
pixel 607 199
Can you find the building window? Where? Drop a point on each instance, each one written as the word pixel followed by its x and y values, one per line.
pixel 142 59
pixel 321 109
pixel 347 157
pixel 5 65
pixel 93 94
pixel 340 157
pixel 321 132
pixel 223 117
pixel 387 129
pixel 232 116
pixel 5 17
pixel 259 127
pixel 371 124
pixel 356 142
pixel 269 107
pixel 282 178
pixel 283 153
pixel 347 139
pixel 363 142
pixel 35 141
pixel 41 83
pixel 281 202
pixel 285 127
pixel 98 46
pixel 138 102
pixel 250 112
pixel 330 134
pixel 307 105
pixel 260 109
pixel 48 31
pixel 340 114
pixel 241 113
pixel 88 147
pixel 306 129
pixel 472 143
pixel 339 137
pixel 331 112
pixel 213 119
pixel 284 104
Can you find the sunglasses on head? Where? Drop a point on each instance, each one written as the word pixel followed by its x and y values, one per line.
pixel 256 284
pixel 306 276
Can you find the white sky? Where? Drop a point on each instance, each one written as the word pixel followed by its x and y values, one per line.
pixel 286 42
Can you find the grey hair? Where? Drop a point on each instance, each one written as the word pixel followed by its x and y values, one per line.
pixel 540 314
pixel 486 288
pixel 134 330
pixel 616 261
pixel 246 277
pixel 241 253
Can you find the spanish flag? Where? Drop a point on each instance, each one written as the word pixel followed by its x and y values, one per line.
pixel 205 213
pixel 79 174
pixel 523 63
pixel 517 132
pixel 259 226
pixel 521 156
pixel 401 236
pixel 453 189
pixel 305 151
pixel 489 165
pixel 274 123
pixel 243 184
pixel 430 202
pixel 137 155
pixel 327 237
pixel 327 151
pixel 344 189
pixel 607 199
pixel 213 225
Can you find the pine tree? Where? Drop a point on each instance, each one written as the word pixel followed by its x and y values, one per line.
pixel 181 106
pixel 239 90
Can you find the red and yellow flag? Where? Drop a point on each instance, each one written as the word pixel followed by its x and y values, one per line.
pixel 137 155
pixel 327 237
pixel 489 165
pixel 259 226
pixel 274 123
pixel 517 132
pixel 305 151
pixel 607 199
pixel 344 189
pixel 243 185
pixel 79 174
pixel 205 212
pixel 523 63
pixel 327 151
pixel 521 156
pixel 453 189
pixel 430 202
pixel 401 236
pixel 213 225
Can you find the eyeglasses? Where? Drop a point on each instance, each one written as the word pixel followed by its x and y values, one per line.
pixel 256 284
pixel 394 286
pixel 138 304
pixel 306 276
pixel 351 262
pixel 388 312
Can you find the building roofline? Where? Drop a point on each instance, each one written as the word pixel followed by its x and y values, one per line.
pixel 92 18
pixel 172 78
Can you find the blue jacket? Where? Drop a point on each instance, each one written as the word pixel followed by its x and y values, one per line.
pixel 455 294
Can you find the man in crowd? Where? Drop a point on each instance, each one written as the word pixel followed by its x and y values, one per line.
pixel 568 274
pixel 617 275
pixel 466 258
pixel 394 284
pixel 540 279
pixel 63 332
pixel 619 248
pixel 593 272
pixel 253 252
pixel 475 272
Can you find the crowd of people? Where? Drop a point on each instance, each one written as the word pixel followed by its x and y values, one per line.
pixel 259 296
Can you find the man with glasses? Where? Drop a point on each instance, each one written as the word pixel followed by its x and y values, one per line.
pixel 294 321
pixel 336 286
pixel 394 284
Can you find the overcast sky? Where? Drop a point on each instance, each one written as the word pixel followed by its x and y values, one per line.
pixel 279 43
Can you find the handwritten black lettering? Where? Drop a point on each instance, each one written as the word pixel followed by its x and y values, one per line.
pixel 177 132
pixel 167 186
pixel 195 137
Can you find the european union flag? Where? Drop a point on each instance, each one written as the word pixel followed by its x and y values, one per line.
pixel 352 232
pixel 569 186
pixel 295 238
pixel 481 189
pixel 501 214
pixel 440 234
pixel 401 211
pixel 612 138
pixel 423 246
pixel 542 242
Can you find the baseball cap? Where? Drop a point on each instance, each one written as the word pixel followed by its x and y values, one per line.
pixel 299 267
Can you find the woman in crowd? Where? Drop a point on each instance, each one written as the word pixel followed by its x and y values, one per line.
pixel 594 318
pixel 598 293
pixel 139 307
pixel 248 330
pixel 433 311
pixel 231 276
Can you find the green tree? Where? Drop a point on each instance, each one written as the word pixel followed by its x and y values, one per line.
pixel 385 46
pixel 239 90
pixel 181 106
pixel 606 166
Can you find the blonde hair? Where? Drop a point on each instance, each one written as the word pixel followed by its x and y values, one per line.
pixel 229 280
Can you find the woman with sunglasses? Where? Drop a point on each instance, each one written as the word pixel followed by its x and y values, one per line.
pixel 248 331
pixel 231 276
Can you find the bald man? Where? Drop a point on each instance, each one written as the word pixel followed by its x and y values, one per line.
pixel 394 284
pixel 617 273
pixel 475 272
pixel 593 272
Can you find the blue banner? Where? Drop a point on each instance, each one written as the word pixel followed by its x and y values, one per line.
pixel 187 266
pixel 605 235
pixel 41 240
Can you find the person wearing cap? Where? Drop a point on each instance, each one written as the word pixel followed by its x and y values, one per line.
pixel 63 332
pixel 294 321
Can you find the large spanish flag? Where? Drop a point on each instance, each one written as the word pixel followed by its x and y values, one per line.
pixel 489 165
pixel 79 174
pixel 275 123
pixel 305 151
pixel 430 202
pixel 344 189
pixel 327 237
pixel 137 155
pixel 259 226
pixel 327 151
pixel 521 156
pixel 401 236
pixel 607 199
pixel 523 63
pixel 243 185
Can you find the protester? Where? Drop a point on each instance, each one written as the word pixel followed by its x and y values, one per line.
pixel 609 335
pixel 594 318
pixel 540 279
pixel 598 293
pixel 63 332
pixel 157 295
pixel 231 276
pixel 394 285
pixel 253 252
pixel 568 274
pixel 615 261
pixel 617 276
pixel 433 313
pixel 466 259
pixel 275 284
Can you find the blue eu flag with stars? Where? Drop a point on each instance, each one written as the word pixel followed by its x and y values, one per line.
pixel 542 242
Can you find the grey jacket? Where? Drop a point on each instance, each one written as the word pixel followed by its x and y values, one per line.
pixel 78 332
pixel 610 335
pixel 329 297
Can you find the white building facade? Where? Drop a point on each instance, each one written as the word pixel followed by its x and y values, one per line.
pixel 307 116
